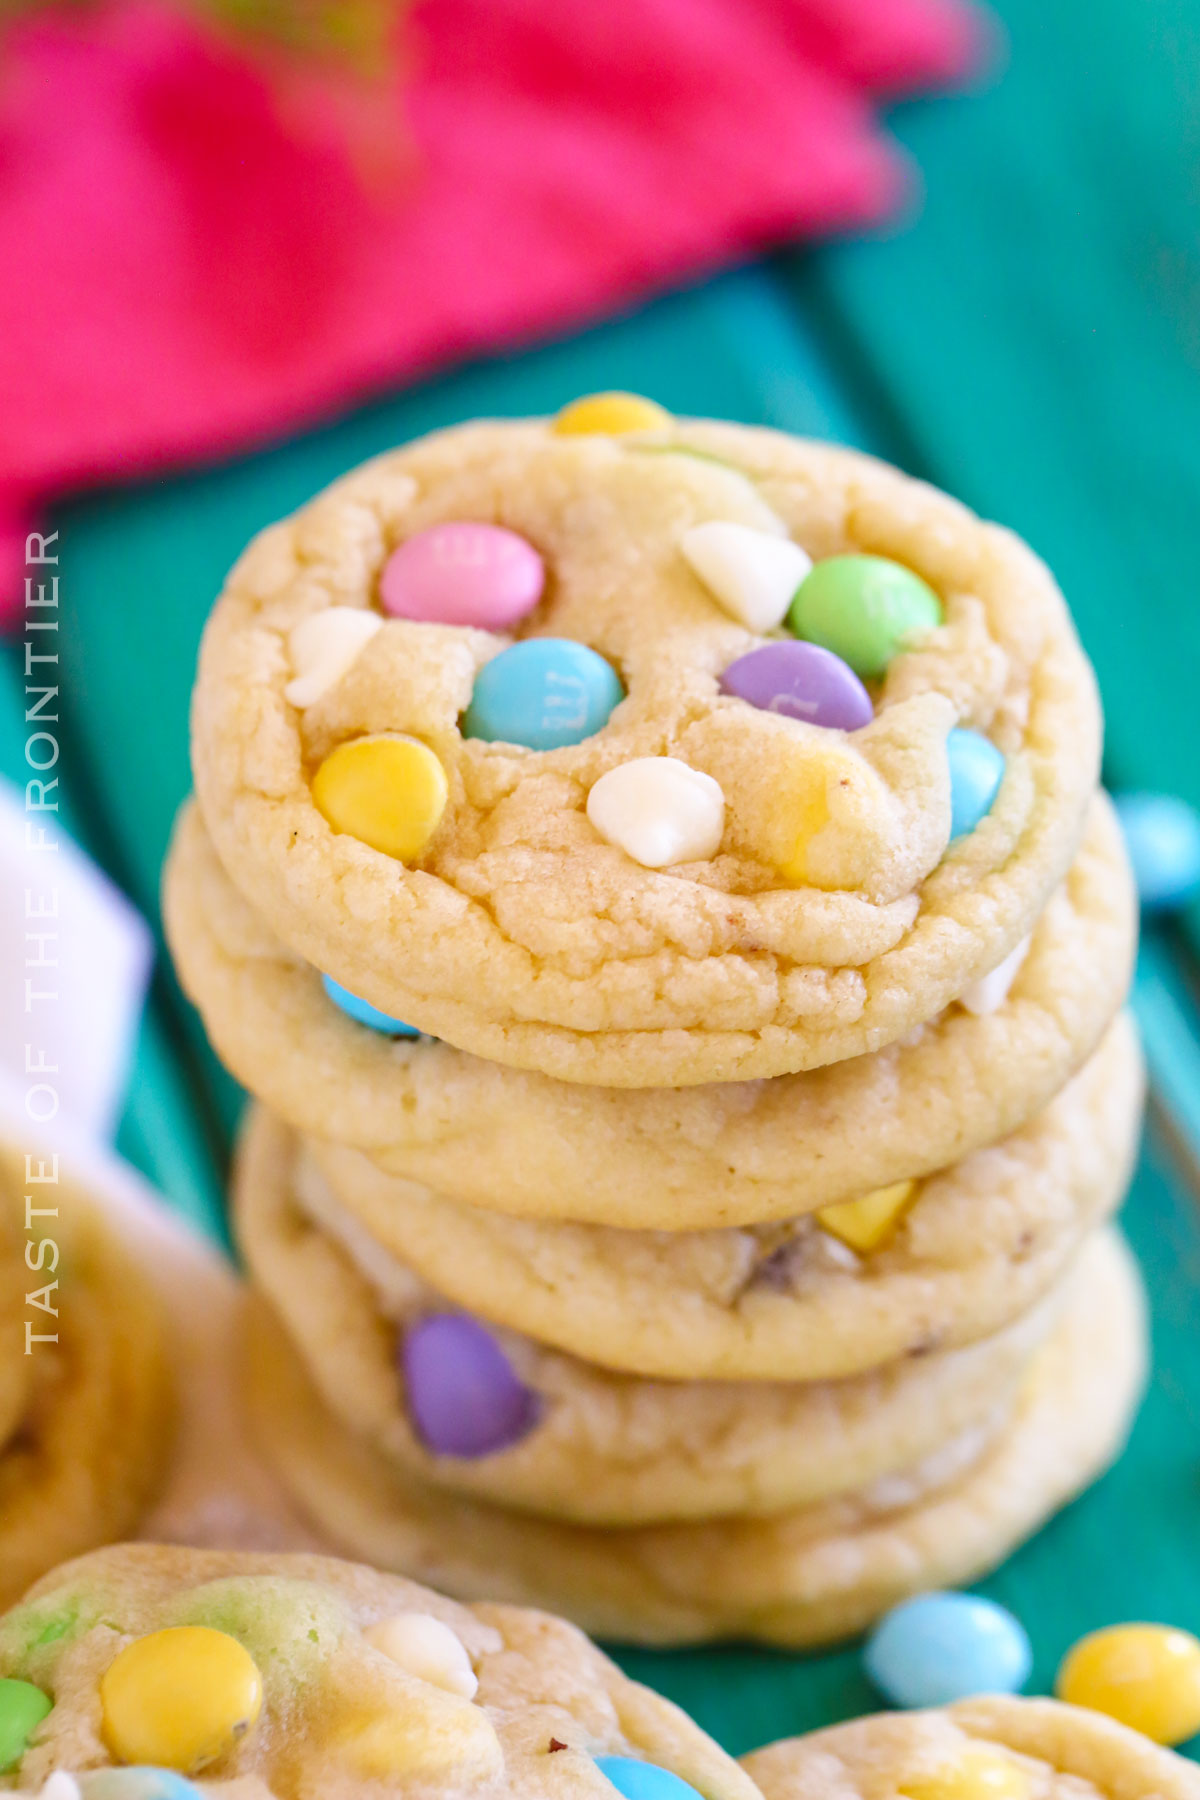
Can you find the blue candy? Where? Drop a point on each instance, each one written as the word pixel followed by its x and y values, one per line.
pixel 643 1780
pixel 943 1647
pixel 138 1783
pixel 543 693
pixel 363 1012
pixel 1162 835
pixel 976 771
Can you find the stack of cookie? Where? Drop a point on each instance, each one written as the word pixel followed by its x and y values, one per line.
pixel 654 875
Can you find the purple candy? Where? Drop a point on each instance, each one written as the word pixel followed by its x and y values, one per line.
pixel 801 681
pixel 464 1395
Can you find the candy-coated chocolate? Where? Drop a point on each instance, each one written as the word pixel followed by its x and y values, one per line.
pixel 1162 835
pixel 22 1708
pixel 141 1783
pixel 59 1785
pixel 938 1648
pixel 610 415
pixel 464 1396
pixel 976 1775
pixel 988 994
pixel 866 609
pixel 463 573
pixel 801 681
pixel 324 647
pixel 976 771
pixel 659 811
pixel 866 1223
pixel 643 1780
pixel 426 1648
pixel 179 1698
pixel 543 693
pixel 1147 1676
pixel 363 1013
pixel 389 791
pixel 751 574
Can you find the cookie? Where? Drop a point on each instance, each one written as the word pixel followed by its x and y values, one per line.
pixel 686 886
pixel 496 1414
pixel 655 1158
pixel 293 1675
pixel 90 1413
pixel 1018 1749
pixel 962 1254
pixel 806 1577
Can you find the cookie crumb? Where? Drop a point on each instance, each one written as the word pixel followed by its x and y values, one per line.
pixel 555 1744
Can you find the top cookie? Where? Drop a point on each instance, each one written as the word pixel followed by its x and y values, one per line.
pixel 758 893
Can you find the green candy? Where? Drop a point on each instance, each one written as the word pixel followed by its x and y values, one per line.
pixel 866 609
pixel 22 1706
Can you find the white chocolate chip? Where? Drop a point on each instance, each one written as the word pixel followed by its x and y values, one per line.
pixel 60 1786
pixel 659 811
pixel 426 1648
pixel 323 647
pixel 988 994
pixel 752 574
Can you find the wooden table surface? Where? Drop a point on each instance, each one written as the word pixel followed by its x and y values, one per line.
pixel 1032 344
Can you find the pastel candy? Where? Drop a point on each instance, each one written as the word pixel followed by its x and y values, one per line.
pixel 424 1647
pixel 866 609
pixel 59 1785
pixel 988 994
pixel 179 1698
pixel 1162 835
pixel 866 1223
pixel 976 771
pixel 463 573
pixel 22 1709
pixel 543 694
pixel 388 791
pixel 363 1013
pixel 938 1648
pixel 141 1783
pixel 659 811
pixel 751 574
pixel 644 1781
pixel 464 1395
pixel 976 1775
pixel 1147 1676
pixel 610 415
pixel 801 681
pixel 324 647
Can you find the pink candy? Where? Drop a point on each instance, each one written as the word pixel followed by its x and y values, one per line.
pixel 463 574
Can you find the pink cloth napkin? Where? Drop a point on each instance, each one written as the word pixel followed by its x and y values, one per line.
pixel 187 273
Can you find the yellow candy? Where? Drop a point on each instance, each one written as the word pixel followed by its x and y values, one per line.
pixel 611 415
pixel 388 791
pixel 977 1775
pixel 865 1223
pixel 179 1699
pixel 1147 1676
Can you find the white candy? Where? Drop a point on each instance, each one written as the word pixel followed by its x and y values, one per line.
pixel 988 994
pixel 60 1786
pixel 426 1648
pixel 323 647
pixel 752 574
pixel 659 811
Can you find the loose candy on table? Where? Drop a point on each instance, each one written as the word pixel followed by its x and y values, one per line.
pixel 363 1013
pixel 937 1648
pixel 976 771
pixel 22 1708
pixel 543 694
pixel 179 1698
pixel 866 1223
pixel 988 994
pixel 1162 836
pixel 975 1775
pixel 423 1646
pixel 463 573
pixel 142 1783
pixel 800 681
pixel 610 415
pixel 644 1781
pixel 752 574
pixel 659 811
pixel 464 1396
pixel 1146 1676
pixel 388 791
pixel 325 647
pixel 866 609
